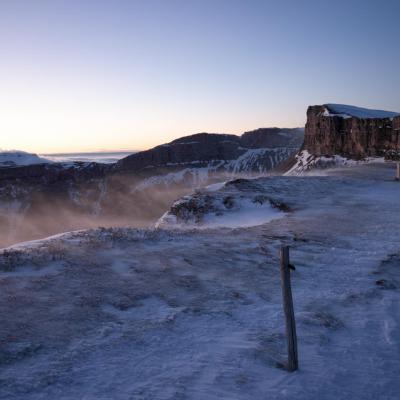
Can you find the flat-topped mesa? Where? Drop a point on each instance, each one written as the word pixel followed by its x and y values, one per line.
pixel 203 148
pixel 353 132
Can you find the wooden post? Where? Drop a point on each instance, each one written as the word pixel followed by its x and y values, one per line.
pixel 398 171
pixel 288 309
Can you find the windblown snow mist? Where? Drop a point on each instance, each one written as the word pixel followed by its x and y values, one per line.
pixel 40 204
pixel 44 214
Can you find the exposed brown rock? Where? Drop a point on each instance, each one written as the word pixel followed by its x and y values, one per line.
pixel 351 137
pixel 206 147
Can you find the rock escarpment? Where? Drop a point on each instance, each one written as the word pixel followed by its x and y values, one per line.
pixel 203 148
pixel 352 132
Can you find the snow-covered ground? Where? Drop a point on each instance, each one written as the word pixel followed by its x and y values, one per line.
pixel 12 158
pixel 346 111
pixel 310 164
pixel 197 314
pixel 233 204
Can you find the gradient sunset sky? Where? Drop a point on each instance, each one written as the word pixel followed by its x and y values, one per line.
pixel 112 75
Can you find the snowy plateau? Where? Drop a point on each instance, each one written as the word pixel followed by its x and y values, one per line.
pixel 346 111
pixel 12 158
pixel 192 309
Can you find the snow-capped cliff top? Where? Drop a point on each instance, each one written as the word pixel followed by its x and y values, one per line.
pixel 12 158
pixel 346 111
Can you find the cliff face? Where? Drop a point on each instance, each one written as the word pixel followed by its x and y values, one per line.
pixel 351 132
pixel 203 148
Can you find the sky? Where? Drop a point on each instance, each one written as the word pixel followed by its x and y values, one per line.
pixel 84 75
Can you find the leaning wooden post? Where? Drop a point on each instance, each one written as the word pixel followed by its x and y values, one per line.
pixel 288 309
pixel 398 171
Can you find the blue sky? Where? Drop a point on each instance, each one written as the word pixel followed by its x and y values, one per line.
pixel 107 75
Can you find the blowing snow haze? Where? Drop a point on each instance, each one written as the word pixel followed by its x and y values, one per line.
pixel 199 200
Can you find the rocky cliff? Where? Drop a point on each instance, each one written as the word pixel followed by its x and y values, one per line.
pixel 203 148
pixel 353 132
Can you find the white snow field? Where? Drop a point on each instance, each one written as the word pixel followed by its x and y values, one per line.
pixel 197 314
pixel 346 111
pixel 310 164
pixel 13 158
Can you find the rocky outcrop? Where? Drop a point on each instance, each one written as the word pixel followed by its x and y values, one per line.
pixel 241 202
pixel 351 132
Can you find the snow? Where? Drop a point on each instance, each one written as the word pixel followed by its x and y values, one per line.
pixel 254 158
pixel 248 214
pixel 12 158
pixel 307 163
pixel 198 176
pixel 346 111
pixel 215 186
pixel 245 213
pixel 251 162
pixel 171 314
pixel 228 205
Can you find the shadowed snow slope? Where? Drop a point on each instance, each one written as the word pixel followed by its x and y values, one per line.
pixel 171 314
